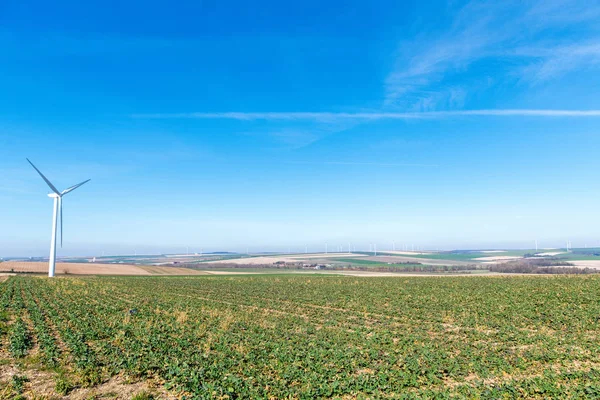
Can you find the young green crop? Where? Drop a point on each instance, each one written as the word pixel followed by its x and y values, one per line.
pixel 318 336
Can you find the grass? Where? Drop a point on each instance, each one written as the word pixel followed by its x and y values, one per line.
pixel 143 396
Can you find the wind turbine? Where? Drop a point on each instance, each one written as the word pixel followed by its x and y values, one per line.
pixel 57 196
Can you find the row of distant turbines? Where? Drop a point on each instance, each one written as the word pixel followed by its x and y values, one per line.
pixel 351 248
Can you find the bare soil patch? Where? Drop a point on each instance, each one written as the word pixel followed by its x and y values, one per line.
pixel 586 263
pixel 253 260
pixel 266 260
pixel 497 258
pixel 119 388
pixel 95 269
pixel 416 260
pixel 323 255
pixel 73 268
pixel 41 383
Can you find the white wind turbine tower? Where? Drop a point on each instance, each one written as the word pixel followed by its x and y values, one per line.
pixel 57 196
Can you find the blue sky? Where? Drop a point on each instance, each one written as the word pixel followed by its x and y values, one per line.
pixel 268 125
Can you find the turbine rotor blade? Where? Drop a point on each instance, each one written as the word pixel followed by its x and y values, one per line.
pixel 55 190
pixel 73 187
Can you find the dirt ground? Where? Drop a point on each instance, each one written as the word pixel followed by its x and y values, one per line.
pixel 7 268
pixel 41 383
pixel 255 260
pixel 94 269
pixel 323 255
pixel 586 263
pixel 498 258
pixel 267 260
pixel 73 268
pixel 392 259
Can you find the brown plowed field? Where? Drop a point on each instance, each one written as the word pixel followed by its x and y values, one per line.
pixel 73 268
pixel 93 269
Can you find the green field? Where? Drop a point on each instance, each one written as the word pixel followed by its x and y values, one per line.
pixel 305 336
pixel 369 263
pixel 450 256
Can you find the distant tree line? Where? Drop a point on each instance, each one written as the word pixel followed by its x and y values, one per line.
pixel 543 262
pixel 540 266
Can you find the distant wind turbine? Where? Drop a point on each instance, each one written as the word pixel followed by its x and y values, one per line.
pixel 57 196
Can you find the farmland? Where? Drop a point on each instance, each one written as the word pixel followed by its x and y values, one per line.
pixel 285 336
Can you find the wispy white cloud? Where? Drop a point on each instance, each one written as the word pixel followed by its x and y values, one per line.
pixel 550 62
pixel 503 30
pixel 374 116
pixel 290 133
pixel 295 138
pixel 432 70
